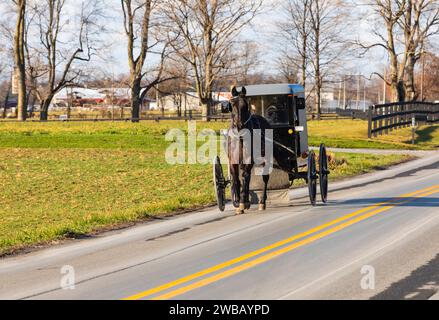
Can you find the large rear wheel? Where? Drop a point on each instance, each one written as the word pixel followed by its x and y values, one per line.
pixel 219 184
pixel 323 173
pixel 312 178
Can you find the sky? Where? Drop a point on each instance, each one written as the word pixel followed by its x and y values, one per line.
pixel 262 30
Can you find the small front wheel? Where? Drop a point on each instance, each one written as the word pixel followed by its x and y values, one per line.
pixel 323 173
pixel 219 184
pixel 312 178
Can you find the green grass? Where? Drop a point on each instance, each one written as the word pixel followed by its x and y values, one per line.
pixel 61 180
pixel 125 135
pixel 353 134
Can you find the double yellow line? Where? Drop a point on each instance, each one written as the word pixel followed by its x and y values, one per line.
pixel 315 234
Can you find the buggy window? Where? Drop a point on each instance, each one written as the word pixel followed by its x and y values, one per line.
pixel 256 105
pixel 276 109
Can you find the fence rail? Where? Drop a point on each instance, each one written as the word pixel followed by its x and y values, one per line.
pixel 354 114
pixel 156 118
pixel 385 118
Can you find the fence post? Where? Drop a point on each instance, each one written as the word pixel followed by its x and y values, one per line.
pixel 369 116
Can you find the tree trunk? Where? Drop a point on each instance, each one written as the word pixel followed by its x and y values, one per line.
pixel 135 100
pixel 318 84
pixel 205 109
pixel 44 112
pixel 398 91
pixel 401 91
pixel 20 64
pixel 304 59
pixel 22 97
pixel 410 84
pixel 304 73
pixel 318 101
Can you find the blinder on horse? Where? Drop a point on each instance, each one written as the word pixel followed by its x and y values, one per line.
pixel 239 108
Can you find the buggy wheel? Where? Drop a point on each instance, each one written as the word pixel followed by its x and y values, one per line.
pixel 323 173
pixel 219 184
pixel 312 177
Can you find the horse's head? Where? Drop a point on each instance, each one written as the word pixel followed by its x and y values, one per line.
pixel 240 108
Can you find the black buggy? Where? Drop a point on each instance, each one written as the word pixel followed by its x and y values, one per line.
pixel 284 107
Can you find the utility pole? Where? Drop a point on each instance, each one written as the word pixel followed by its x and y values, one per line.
pixel 339 94
pixel 70 104
pixel 364 97
pixel 385 86
pixel 344 92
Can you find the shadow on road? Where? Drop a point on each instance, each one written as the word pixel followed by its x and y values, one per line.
pixel 421 284
pixel 425 202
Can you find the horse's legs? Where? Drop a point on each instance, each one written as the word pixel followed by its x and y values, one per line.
pixel 236 186
pixel 263 201
pixel 246 177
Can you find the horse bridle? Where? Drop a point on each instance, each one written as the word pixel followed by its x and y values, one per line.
pixel 239 110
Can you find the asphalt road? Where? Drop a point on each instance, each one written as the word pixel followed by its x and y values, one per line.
pixel 378 238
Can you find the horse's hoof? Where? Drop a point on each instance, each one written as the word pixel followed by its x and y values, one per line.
pixel 239 212
pixel 262 207
pixel 248 205
pixel 241 209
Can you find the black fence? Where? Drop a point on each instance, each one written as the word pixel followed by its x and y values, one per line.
pixel 215 118
pixel 392 116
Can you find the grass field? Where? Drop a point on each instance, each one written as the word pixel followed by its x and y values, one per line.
pixel 61 180
pixel 353 134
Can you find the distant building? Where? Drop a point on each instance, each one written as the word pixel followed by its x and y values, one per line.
pixel 187 101
pixel 81 96
pixel 103 97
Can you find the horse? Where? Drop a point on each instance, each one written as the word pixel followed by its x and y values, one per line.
pixel 241 171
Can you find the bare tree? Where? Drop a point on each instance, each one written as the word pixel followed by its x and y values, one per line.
pixel 428 77
pixel 19 57
pixel 390 13
pixel 209 30
pixel 244 61
pixel 54 59
pixel 408 26
pixel 326 44
pixel 288 69
pixel 141 25
pixel 295 31
pixel 419 24
pixel 176 88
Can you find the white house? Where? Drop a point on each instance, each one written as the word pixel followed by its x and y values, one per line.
pixel 187 101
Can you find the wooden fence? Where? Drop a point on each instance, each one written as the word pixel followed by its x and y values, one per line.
pixel 392 116
pixel 351 113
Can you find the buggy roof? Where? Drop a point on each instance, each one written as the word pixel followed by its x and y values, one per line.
pixel 275 89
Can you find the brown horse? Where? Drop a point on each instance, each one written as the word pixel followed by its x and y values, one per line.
pixel 241 171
